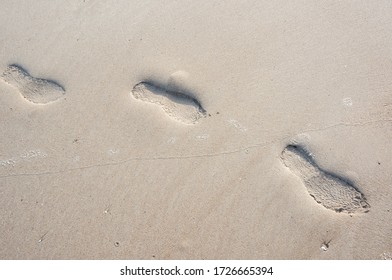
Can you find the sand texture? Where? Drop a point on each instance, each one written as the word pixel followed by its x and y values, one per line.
pixel 196 129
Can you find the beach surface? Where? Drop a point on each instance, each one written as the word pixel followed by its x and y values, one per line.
pixel 196 129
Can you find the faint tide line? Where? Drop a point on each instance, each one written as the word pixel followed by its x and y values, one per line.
pixel 254 146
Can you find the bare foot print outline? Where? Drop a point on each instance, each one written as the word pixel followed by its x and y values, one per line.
pixel 329 190
pixel 35 90
pixel 177 105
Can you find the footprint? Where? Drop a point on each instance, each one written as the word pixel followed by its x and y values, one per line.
pixel 177 105
pixel 329 190
pixel 35 90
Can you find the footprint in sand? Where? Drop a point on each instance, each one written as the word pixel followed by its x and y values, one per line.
pixel 177 105
pixel 329 190
pixel 35 90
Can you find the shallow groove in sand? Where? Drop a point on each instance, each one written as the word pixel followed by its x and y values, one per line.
pixel 190 156
pixel 329 190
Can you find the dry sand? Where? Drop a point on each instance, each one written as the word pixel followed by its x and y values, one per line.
pixel 196 130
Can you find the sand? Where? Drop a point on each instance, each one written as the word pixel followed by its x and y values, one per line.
pixel 161 130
